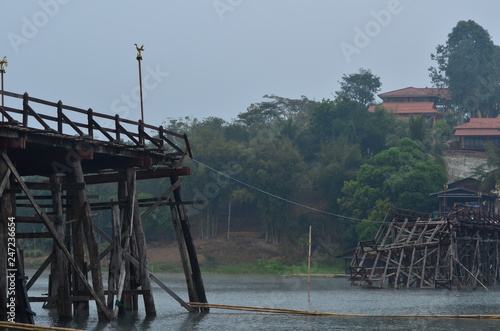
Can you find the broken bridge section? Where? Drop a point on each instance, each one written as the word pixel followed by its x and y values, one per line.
pixel 66 150
pixel 457 250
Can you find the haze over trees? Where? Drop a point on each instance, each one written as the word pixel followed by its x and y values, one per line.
pixel 259 170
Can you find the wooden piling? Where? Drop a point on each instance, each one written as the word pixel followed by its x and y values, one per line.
pixel 59 296
pixel 140 239
pixel 88 228
pixel 185 235
pixel 5 213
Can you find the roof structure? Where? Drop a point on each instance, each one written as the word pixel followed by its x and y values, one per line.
pixel 408 108
pixel 479 127
pixel 418 92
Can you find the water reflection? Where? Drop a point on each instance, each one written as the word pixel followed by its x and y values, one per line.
pixel 327 295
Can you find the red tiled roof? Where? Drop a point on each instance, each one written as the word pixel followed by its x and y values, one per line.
pixel 479 127
pixel 418 92
pixel 408 108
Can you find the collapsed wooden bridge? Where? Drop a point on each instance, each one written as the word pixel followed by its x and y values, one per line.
pixel 458 250
pixel 69 149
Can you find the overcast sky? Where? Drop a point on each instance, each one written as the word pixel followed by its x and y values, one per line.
pixel 215 57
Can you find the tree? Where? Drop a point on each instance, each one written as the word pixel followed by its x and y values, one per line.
pixel 404 175
pixel 351 121
pixel 360 87
pixel 467 65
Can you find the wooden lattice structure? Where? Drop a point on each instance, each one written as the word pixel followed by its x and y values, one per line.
pixel 72 149
pixel 457 250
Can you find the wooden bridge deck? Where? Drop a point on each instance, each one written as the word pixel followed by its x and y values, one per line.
pixel 42 137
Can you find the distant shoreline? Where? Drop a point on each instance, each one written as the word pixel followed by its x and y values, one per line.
pixel 318 275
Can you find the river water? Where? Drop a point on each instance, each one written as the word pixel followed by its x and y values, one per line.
pixel 327 295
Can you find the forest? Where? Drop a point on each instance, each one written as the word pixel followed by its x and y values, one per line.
pixel 286 164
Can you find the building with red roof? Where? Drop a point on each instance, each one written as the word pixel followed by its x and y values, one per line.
pixel 474 134
pixel 414 94
pixel 413 101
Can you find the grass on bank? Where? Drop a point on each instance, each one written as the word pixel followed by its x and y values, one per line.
pixel 259 267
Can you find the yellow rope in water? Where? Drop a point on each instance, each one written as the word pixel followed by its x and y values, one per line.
pixel 31 327
pixel 305 312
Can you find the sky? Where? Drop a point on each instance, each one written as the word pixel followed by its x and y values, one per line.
pixel 207 58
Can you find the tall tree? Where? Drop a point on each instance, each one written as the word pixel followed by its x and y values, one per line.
pixel 360 87
pixel 466 65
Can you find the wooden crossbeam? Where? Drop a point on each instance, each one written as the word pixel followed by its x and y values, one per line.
pixel 163 196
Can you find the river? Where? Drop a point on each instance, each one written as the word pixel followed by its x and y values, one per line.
pixel 327 295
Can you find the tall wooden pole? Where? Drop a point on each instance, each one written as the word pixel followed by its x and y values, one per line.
pixel 229 219
pixel 2 71
pixel 309 267
pixel 139 59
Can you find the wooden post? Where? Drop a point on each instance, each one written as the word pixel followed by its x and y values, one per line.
pixel 229 218
pixel 90 121
pixel 190 248
pixel 5 213
pixel 60 295
pixel 126 228
pixel 80 307
pixel 117 127
pixel 115 260
pixel 193 297
pixel 24 314
pixel 123 269
pixel 92 244
pixel 144 280
pixel 25 110
pixel 59 117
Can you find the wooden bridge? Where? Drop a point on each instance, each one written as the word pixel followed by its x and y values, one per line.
pixel 67 149
pixel 457 250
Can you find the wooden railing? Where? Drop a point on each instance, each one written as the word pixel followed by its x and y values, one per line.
pixel 60 115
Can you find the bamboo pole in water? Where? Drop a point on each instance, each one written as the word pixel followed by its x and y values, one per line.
pixel 24 326
pixel 317 313
pixel 309 267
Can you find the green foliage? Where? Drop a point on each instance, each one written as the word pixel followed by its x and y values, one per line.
pixel 402 176
pixel 468 65
pixel 351 121
pixel 276 268
pixel 360 87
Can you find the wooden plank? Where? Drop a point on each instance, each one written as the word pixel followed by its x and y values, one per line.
pixel 50 227
pixel 163 196
pixel 140 175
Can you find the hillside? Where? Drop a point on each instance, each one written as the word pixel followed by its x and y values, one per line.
pixel 242 247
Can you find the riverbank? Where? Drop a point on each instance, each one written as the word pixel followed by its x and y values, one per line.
pixel 242 253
